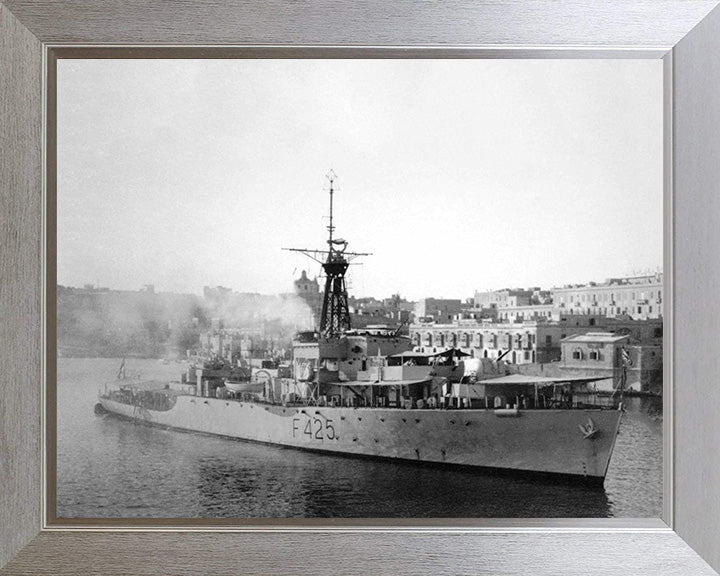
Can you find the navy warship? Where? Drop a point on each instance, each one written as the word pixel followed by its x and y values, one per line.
pixel 368 393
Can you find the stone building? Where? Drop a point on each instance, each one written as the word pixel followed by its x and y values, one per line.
pixel 309 291
pixel 594 354
pixel 519 314
pixel 221 343
pixel 524 343
pixel 539 341
pixel 392 311
pixel 502 298
pixel 438 309
pixel 607 354
pixel 515 305
pixel 639 297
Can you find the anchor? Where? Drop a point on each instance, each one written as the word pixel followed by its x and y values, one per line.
pixel 589 430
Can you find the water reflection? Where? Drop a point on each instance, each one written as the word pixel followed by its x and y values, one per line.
pixel 296 484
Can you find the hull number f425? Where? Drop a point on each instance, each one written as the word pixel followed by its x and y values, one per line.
pixel 313 429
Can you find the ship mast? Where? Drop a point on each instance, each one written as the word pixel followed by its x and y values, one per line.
pixel 335 316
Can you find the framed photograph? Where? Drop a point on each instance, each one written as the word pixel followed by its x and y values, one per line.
pixel 158 255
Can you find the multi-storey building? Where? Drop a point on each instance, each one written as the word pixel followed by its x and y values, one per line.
pixel 516 305
pixel 640 297
pixel 393 310
pixel 235 345
pixel 309 291
pixel 522 343
pixel 222 343
pixel 438 309
pixel 502 298
pixel 531 341
pixel 610 355
pixel 519 314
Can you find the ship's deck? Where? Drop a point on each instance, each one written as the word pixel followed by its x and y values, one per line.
pixel 599 402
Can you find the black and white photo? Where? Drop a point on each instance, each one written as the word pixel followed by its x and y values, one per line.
pixel 359 288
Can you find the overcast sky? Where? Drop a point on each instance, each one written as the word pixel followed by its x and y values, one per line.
pixel 456 174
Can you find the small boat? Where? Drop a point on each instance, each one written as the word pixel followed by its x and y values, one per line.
pixel 247 386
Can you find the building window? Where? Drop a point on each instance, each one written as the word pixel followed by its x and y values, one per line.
pixel 594 355
pixel 548 341
pixel 577 354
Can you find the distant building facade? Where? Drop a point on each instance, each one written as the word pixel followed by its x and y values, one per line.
pixel 502 298
pixel 639 297
pixel 220 343
pixel 595 354
pixel 95 321
pixel 606 354
pixel 309 291
pixel 438 309
pixel 520 314
pixel 394 311
pixel 524 343
pixel 515 305
pixel 536 341
pixel 234 345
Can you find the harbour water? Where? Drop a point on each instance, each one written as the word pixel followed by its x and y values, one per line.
pixel 111 468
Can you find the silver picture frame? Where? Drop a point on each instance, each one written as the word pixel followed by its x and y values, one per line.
pixel 684 34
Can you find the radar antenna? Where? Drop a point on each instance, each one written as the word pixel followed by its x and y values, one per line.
pixel 335 316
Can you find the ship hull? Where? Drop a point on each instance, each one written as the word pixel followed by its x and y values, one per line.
pixel 547 442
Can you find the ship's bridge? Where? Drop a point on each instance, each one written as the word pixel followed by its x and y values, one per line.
pixel 411 365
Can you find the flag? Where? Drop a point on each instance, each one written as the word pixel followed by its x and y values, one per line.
pixel 121 371
pixel 626 359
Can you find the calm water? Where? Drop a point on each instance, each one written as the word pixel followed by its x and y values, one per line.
pixel 113 468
